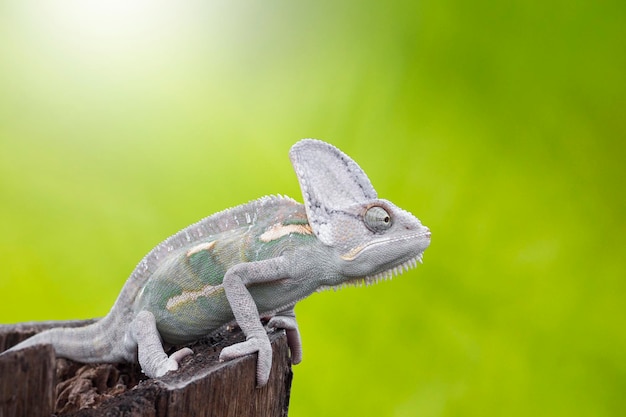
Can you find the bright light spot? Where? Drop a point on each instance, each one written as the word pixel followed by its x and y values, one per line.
pixel 110 24
pixel 112 20
pixel 106 17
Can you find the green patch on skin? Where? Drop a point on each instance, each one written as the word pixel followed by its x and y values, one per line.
pixel 205 267
pixel 192 319
pixel 156 294
pixel 299 220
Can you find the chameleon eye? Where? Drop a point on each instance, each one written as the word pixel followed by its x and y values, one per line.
pixel 377 219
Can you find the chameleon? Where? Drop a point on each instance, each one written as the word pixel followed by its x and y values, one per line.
pixel 255 260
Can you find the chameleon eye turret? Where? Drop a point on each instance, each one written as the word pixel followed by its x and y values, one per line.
pixel 377 219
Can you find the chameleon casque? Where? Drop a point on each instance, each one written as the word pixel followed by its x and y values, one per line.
pixel 254 260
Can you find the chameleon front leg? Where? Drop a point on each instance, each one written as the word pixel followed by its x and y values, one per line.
pixel 152 358
pixel 247 314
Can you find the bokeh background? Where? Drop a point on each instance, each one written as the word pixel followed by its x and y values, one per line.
pixel 500 124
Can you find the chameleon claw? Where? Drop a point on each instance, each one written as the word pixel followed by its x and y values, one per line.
pixel 180 354
pixel 172 363
pixel 262 347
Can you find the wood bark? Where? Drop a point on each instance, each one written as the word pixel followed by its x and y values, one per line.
pixel 35 383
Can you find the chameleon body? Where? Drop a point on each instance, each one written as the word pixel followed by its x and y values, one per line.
pixel 251 261
pixel 186 294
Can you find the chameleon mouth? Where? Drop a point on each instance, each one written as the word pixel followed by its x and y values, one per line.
pixel 381 276
pixel 423 238
pixel 354 253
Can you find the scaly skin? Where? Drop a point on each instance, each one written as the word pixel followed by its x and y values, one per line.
pixel 257 259
pixel 186 292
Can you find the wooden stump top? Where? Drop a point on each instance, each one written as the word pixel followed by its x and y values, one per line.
pixel 34 383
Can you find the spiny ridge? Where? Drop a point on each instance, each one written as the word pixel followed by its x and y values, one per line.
pixel 381 276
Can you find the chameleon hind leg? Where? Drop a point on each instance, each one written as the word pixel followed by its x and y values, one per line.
pixel 152 358
pixel 287 320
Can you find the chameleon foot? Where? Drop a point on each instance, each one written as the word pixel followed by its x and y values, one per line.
pixel 288 322
pixel 166 364
pixel 260 345
pixel 152 358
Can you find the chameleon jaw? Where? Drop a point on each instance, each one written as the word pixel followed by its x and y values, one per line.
pixel 376 278
pixel 422 240
pixel 354 253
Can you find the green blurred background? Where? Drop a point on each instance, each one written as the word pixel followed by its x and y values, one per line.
pixel 500 124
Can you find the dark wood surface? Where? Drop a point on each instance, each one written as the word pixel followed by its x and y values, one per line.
pixel 33 383
pixel 27 380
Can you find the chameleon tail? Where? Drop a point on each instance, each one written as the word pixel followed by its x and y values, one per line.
pixel 82 344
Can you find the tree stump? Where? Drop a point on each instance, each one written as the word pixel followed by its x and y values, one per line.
pixel 33 382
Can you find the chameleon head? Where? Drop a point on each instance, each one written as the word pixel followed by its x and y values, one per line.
pixel 372 237
pixel 382 240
